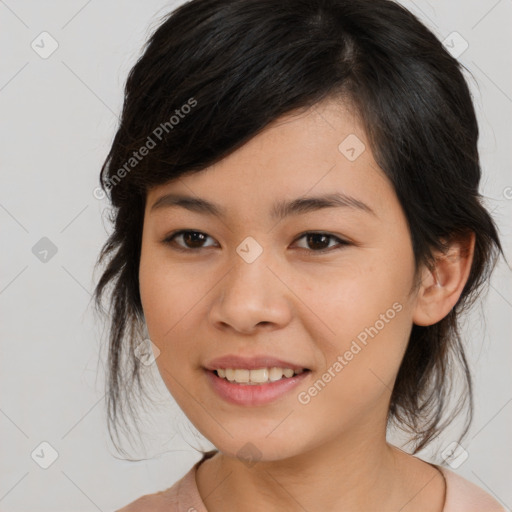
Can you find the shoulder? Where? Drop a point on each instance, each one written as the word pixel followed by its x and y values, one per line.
pixel 163 501
pixel 183 496
pixel 465 496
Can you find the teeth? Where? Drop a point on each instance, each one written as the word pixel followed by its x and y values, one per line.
pixel 259 376
pixel 275 374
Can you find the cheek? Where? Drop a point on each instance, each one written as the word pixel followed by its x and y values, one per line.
pixel 154 293
pixel 163 301
pixel 165 291
pixel 348 299
pixel 361 324
pixel 173 302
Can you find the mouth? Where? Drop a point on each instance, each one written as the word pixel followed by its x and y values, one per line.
pixel 249 393
pixel 258 376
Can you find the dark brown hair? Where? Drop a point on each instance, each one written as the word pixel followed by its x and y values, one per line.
pixel 239 65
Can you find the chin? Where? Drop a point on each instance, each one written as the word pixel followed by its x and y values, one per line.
pixel 259 448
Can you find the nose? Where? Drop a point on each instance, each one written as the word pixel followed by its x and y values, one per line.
pixel 251 297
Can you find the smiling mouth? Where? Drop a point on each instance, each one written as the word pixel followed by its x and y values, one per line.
pixel 257 376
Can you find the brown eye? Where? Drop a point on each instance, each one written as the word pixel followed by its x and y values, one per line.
pixel 319 242
pixel 191 240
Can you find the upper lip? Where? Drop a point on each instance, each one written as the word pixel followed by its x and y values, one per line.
pixel 251 363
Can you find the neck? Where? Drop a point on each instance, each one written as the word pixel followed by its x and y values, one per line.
pixel 352 473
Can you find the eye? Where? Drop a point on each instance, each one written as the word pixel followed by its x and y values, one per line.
pixel 194 240
pixel 318 241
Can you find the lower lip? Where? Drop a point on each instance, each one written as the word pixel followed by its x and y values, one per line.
pixel 250 394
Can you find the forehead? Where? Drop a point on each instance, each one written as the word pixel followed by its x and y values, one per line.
pixel 318 151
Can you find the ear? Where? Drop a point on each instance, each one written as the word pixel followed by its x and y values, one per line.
pixel 442 285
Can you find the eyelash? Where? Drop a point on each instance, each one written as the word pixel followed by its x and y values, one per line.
pixel 169 240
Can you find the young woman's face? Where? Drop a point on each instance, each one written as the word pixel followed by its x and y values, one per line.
pixel 251 282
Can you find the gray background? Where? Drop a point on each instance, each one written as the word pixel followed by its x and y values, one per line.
pixel 58 119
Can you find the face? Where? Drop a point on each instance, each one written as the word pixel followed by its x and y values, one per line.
pixel 324 287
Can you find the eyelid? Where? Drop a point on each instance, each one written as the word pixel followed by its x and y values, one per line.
pixel 169 240
pixel 341 241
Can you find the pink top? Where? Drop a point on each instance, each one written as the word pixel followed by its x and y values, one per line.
pixel 461 496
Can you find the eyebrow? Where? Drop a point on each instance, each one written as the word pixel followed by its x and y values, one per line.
pixel 280 209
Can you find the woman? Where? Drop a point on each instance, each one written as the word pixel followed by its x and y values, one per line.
pixel 298 226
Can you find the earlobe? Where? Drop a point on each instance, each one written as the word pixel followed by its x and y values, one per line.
pixel 442 285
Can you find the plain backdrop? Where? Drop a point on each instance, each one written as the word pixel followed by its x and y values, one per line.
pixel 58 117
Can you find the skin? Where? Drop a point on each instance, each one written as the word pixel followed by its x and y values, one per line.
pixel 301 306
